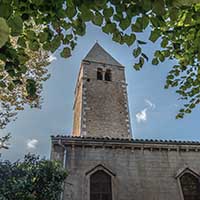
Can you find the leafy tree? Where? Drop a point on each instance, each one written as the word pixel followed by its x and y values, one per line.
pixel 13 89
pixel 4 142
pixel 31 179
pixel 173 23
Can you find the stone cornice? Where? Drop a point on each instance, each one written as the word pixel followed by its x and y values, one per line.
pixel 132 144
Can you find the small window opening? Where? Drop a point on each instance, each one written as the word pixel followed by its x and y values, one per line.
pixel 190 187
pixel 100 186
pixel 88 80
pixel 99 74
pixel 108 75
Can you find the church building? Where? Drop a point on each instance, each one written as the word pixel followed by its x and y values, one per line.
pixel 101 157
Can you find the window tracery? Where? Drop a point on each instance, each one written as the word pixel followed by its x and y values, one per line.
pixel 108 75
pixel 190 185
pixel 99 74
pixel 100 186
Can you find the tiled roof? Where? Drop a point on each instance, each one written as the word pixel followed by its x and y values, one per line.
pixel 98 54
pixel 124 140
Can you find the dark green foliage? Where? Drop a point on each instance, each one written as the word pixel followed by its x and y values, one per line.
pixel 31 179
pixel 175 24
pixel 4 141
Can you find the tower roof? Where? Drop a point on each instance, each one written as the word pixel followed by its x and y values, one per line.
pixel 98 54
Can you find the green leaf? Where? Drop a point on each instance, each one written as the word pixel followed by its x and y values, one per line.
pixel 155 21
pixel 17 82
pixel 71 11
pixel 188 110
pixel 174 13
pixel 106 29
pixel 3 57
pixel 179 115
pixel 23 58
pixel 100 3
pixel 118 17
pixel 97 19
pixel 140 24
pixel 5 10
pixel 124 23
pixel 69 36
pixel 31 35
pixel 109 28
pixel 146 4
pixel 11 86
pixel 164 42
pixel 9 67
pixel 157 53
pixel 117 37
pixel 55 43
pixel 141 60
pixel 136 52
pixel 80 27
pixel 137 27
pixel 145 56
pixel 129 40
pixel 34 45
pixel 86 14
pixel 108 12
pixel 155 61
pixel 23 69
pixel 144 21
pixel 192 106
pixel 161 57
pixel 139 65
pixel 61 13
pixel 22 42
pixel 43 36
pixel 65 25
pixel 72 45
pixel 4 31
pixel 2 84
pixel 155 34
pixel 170 77
pixel 16 24
pixel 66 52
pixel 141 42
pixel 31 87
pixel 159 7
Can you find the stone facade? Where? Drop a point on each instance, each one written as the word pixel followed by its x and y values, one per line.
pixel 140 170
pixel 101 107
pixel 101 146
pixel 78 103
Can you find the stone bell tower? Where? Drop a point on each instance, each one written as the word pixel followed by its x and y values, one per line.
pixel 101 104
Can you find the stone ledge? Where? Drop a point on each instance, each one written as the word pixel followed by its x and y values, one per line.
pixel 127 144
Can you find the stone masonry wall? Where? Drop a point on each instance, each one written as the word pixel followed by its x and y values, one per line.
pixel 78 105
pixel 141 172
pixel 104 103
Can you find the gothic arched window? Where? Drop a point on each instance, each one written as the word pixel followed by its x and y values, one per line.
pixel 99 74
pixel 100 186
pixel 108 75
pixel 190 186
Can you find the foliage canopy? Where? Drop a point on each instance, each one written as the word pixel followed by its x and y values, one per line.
pixel 174 23
pixel 32 179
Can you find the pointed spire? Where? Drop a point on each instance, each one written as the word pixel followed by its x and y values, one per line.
pixel 98 54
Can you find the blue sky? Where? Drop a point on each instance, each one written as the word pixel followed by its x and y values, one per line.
pixel 152 108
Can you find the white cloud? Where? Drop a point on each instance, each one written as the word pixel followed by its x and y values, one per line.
pixel 150 104
pixel 142 116
pixel 52 58
pixel 31 143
